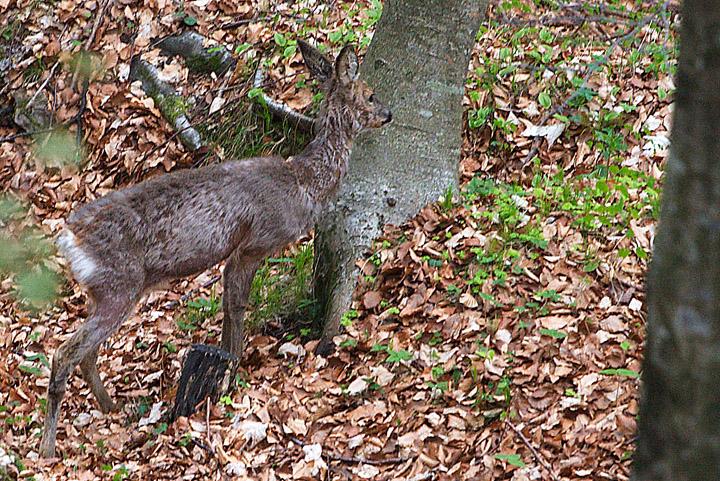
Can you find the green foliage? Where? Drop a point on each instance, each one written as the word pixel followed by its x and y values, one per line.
pixel 199 310
pixel 244 132
pixel 24 252
pixel 287 46
pixel 57 148
pixel 620 372
pixel 555 334
pixel 347 317
pixel 395 357
pixel 512 459
pixel 281 288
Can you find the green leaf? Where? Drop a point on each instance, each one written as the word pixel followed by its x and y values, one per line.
pixel 553 333
pixel 398 356
pixel 620 372
pixel 280 39
pixel 190 21
pixel 242 48
pixel 544 100
pixel 35 371
pixel 38 357
pixel 513 459
pixel 348 316
pixel 256 93
pixel 591 266
pixel 335 37
pixel 348 343
pixel 289 51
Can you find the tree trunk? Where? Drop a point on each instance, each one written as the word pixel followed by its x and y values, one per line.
pixel 679 423
pixel 417 63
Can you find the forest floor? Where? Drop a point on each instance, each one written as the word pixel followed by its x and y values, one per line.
pixel 497 335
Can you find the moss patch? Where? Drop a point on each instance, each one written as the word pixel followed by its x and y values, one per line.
pixel 171 106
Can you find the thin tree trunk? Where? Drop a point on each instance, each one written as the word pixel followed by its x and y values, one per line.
pixel 417 64
pixel 679 423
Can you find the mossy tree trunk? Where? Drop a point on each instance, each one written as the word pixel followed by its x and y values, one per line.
pixel 417 64
pixel 679 424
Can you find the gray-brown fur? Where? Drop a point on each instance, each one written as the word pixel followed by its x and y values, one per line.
pixel 180 224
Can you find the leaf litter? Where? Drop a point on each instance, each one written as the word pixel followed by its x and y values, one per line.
pixel 522 301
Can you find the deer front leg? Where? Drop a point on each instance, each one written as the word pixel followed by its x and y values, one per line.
pixel 237 280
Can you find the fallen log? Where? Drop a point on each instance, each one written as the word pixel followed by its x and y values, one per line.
pixel 198 58
pixel 172 106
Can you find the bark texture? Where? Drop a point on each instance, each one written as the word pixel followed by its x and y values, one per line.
pixel 679 424
pixel 417 64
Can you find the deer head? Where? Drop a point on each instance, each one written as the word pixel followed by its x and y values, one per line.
pixel 350 100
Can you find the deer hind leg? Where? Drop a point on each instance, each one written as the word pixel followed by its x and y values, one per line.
pixel 237 280
pixel 110 312
pixel 88 368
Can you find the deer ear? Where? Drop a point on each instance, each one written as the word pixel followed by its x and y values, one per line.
pixel 346 65
pixel 319 65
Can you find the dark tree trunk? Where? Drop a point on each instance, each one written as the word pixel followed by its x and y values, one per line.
pixel 679 423
pixel 417 63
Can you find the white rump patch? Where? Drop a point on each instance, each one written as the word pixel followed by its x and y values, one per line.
pixel 81 264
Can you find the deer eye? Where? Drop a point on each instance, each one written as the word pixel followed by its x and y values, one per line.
pixel 371 99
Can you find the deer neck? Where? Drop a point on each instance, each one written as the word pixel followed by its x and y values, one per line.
pixel 322 164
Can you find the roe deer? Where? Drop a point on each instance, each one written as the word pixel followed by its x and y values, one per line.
pixel 182 223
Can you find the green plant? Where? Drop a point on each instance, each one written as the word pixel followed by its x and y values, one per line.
pixel 347 318
pixel 512 459
pixel 281 288
pixel 554 333
pixel 198 311
pixel 395 357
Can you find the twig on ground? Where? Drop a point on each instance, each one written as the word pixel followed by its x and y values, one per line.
pixel 355 459
pixel 96 25
pixel 282 111
pixel 192 292
pixel 166 100
pixel 558 21
pixel 190 46
pixel 241 22
pixel 10 138
pixel 534 451
pixel 44 84
pixel 207 424
pixel 81 111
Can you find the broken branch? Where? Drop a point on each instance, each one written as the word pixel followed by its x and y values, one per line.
pixel 171 105
pixel 532 449
pixel 190 46
pixel 281 111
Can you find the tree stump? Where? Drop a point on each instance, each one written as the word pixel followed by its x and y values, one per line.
pixel 207 372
